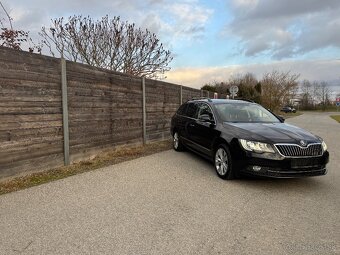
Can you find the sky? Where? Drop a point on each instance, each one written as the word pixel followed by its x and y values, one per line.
pixel 213 40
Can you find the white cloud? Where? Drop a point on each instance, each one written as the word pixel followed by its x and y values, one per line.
pixel 186 20
pixel 285 28
pixel 176 20
pixel 153 22
pixel 189 13
pixel 327 70
pixel 172 19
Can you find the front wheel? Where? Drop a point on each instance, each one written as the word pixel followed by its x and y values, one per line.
pixel 223 163
pixel 177 144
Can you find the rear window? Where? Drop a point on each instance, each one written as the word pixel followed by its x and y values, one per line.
pixel 192 110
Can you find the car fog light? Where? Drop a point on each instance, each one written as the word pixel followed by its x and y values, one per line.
pixel 256 168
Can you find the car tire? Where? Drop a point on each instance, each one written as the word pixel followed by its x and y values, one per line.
pixel 223 163
pixel 177 143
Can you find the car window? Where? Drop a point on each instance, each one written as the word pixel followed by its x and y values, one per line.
pixel 181 109
pixel 205 109
pixel 192 110
pixel 232 112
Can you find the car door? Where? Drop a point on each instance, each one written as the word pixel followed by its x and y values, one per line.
pixel 179 120
pixel 190 122
pixel 203 133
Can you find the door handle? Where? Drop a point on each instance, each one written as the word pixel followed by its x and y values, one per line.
pixel 191 125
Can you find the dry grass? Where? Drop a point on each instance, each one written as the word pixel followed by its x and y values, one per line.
pixel 106 159
pixel 336 117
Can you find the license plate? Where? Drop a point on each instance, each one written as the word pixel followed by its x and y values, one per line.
pixel 306 162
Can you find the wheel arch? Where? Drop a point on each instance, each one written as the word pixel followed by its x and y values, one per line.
pixel 173 130
pixel 232 145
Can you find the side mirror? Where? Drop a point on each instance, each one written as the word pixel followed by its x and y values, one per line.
pixel 281 119
pixel 206 118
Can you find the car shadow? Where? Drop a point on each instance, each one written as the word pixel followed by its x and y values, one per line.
pixel 303 184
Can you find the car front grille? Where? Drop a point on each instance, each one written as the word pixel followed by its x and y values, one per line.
pixel 294 150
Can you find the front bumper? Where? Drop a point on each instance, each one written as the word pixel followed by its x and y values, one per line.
pixel 284 167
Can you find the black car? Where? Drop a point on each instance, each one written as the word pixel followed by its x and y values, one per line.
pixel 242 137
pixel 288 109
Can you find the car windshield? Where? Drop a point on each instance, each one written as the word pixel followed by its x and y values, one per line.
pixel 244 112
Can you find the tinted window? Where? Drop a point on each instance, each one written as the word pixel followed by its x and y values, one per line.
pixel 192 110
pixel 181 109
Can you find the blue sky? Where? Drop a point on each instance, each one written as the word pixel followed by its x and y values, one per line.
pixel 212 40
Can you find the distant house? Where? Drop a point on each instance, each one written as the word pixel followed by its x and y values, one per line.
pixel 295 101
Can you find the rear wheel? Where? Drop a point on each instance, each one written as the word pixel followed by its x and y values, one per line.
pixel 223 163
pixel 177 144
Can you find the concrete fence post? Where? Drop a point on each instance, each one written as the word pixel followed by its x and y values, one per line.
pixel 181 95
pixel 65 113
pixel 144 110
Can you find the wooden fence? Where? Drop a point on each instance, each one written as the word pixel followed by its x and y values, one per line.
pixel 105 110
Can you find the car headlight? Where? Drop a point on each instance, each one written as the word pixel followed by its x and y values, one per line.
pixel 324 146
pixel 256 146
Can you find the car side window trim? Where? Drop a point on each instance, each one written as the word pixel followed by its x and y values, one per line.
pixel 194 105
pixel 183 114
pixel 213 114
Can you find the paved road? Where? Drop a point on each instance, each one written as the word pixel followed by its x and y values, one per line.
pixel 173 203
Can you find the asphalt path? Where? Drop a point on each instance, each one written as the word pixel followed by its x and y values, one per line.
pixel 173 203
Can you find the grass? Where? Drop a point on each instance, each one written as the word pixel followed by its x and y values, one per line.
pixel 336 117
pixel 103 160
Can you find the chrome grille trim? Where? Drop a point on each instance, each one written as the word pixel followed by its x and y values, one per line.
pixel 297 151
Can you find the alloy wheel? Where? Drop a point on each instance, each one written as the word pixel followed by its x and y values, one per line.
pixel 221 161
pixel 176 141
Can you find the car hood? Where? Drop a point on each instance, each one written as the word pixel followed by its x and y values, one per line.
pixel 271 132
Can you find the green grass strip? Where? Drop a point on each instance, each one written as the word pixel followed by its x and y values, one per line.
pixel 336 117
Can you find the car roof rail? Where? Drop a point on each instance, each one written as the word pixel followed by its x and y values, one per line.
pixel 245 99
pixel 200 98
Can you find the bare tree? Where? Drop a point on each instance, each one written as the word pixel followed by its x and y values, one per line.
pixel 325 94
pixel 9 18
pixel 9 37
pixel 307 101
pixel 14 38
pixel 278 88
pixel 315 93
pixel 311 94
pixel 108 43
